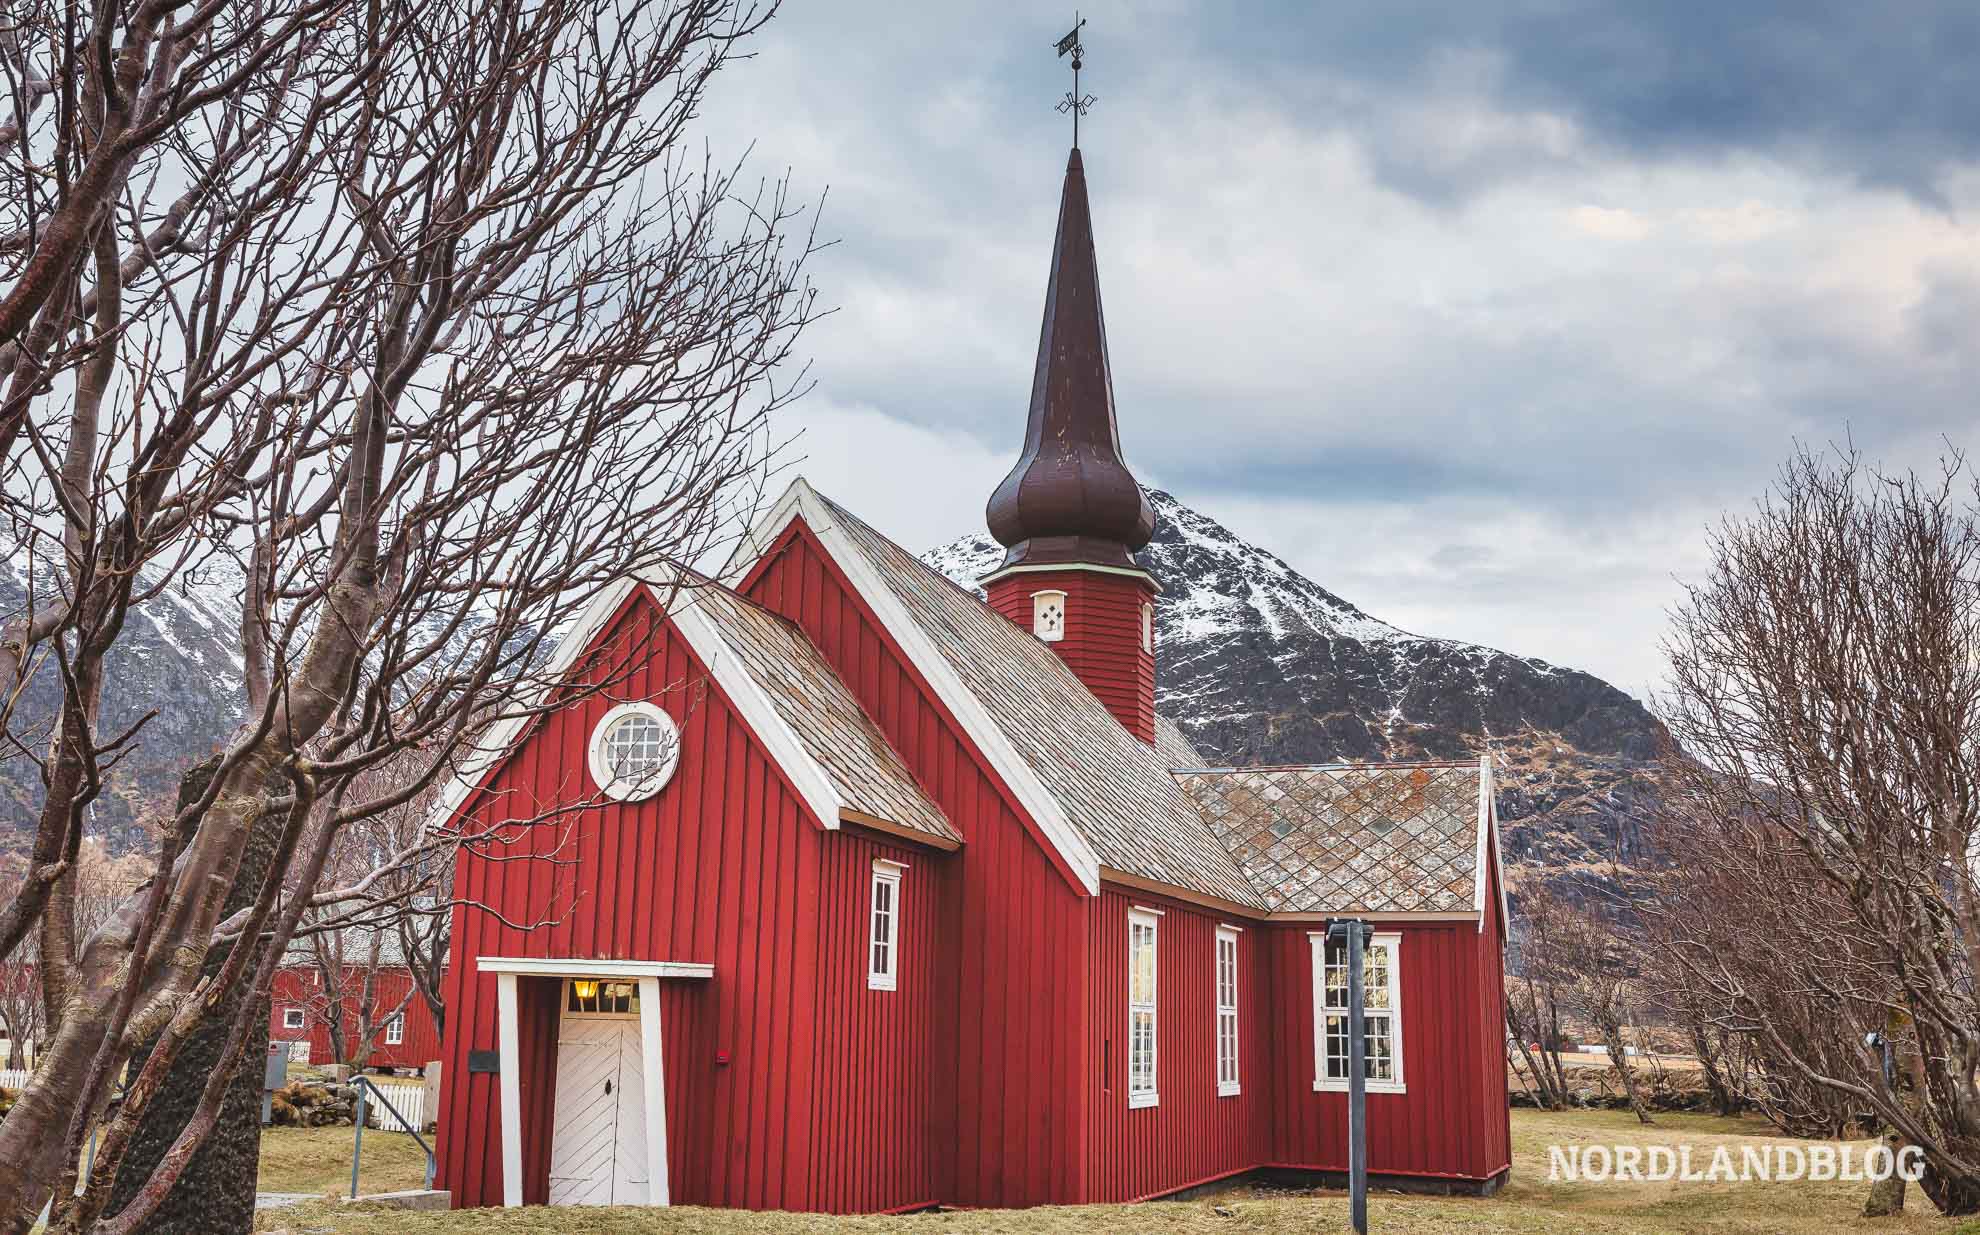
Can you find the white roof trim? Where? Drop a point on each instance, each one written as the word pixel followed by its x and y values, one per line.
pixel 814 785
pixel 801 499
pixel 702 635
pixel 493 746
pixel 1488 817
pixel 578 967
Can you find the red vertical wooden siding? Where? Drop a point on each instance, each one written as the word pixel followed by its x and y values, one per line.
pixel 726 866
pixel 1437 1128
pixel 1102 643
pixel 291 988
pixel 1192 1135
pixel 1008 1083
pixel 422 1039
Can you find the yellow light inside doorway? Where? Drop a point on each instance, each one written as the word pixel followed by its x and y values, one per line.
pixel 585 989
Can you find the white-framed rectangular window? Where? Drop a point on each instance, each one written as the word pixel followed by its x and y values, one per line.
pixel 883 951
pixel 1227 1011
pixel 1141 1007
pixel 292 1018
pixel 1381 977
pixel 395 1029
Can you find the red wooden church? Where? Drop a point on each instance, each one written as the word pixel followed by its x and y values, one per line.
pixel 882 897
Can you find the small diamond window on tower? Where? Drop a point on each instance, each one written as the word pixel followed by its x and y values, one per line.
pixel 1048 615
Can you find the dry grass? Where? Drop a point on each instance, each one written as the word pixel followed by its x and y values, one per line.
pixel 1530 1205
pixel 318 1161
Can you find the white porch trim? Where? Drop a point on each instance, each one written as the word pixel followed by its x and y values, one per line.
pixel 507 1038
pixel 508 1035
pixel 656 1092
pixel 577 967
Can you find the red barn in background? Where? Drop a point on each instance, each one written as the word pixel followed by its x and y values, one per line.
pixel 399 1025
pixel 877 896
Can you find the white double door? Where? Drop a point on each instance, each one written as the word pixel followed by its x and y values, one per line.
pixel 598 1144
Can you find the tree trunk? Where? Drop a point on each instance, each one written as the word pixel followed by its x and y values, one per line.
pixel 1716 1084
pixel 1955 1195
pixel 1886 1199
pixel 1613 1039
pixel 215 1195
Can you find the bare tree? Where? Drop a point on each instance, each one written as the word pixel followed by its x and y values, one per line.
pixel 464 336
pixel 352 996
pixel 20 1005
pixel 1534 996
pixel 1599 970
pixel 1826 687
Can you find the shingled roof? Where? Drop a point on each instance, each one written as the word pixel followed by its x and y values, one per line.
pixel 808 694
pixel 1114 788
pixel 1360 838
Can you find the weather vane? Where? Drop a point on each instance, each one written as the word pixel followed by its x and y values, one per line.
pixel 1074 102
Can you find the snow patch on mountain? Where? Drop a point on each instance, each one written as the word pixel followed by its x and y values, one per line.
pixel 1254 657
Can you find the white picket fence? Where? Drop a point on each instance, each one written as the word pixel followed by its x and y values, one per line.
pixel 410 1101
pixel 13 1079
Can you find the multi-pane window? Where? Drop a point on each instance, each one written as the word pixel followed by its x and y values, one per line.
pixel 1141 1008
pixel 292 1018
pixel 395 1030
pixel 1227 1011
pixel 595 997
pixel 1382 1013
pixel 634 751
pixel 883 939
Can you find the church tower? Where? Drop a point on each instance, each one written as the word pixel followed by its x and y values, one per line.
pixel 1070 515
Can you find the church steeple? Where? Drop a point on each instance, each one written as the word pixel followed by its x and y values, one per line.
pixel 1071 498
pixel 1070 515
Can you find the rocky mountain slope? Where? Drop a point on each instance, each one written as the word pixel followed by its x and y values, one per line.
pixel 176 667
pixel 1261 665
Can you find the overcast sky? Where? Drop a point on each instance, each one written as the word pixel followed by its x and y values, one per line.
pixel 1477 313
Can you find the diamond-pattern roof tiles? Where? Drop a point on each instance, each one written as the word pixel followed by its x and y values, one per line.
pixel 1374 838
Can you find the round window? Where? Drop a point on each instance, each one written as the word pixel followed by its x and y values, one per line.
pixel 634 751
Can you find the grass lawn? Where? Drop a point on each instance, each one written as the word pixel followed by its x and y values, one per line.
pixel 318 1160
pixel 1529 1205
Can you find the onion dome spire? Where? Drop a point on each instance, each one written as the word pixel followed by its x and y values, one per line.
pixel 1070 498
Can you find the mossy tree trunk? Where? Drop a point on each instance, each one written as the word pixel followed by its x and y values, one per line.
pixel 215 1195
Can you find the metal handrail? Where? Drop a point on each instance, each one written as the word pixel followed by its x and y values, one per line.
pixel 363 1083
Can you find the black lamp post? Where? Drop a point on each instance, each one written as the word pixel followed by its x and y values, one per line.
pixel 1350 932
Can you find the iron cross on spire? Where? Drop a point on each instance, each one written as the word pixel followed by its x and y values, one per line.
pixel 1074 102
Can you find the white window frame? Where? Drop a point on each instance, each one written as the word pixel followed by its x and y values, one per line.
pixel 1225 1028
pixel 633 790
pixel 1041 601
pixel 1148 627
pixel 294 1018
pixel 395 1030
pixel 1392 940
pixel 1150 1094
pixel 883 968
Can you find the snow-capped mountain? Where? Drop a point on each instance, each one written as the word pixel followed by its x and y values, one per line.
pixel 1261 665
pixel 176 667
